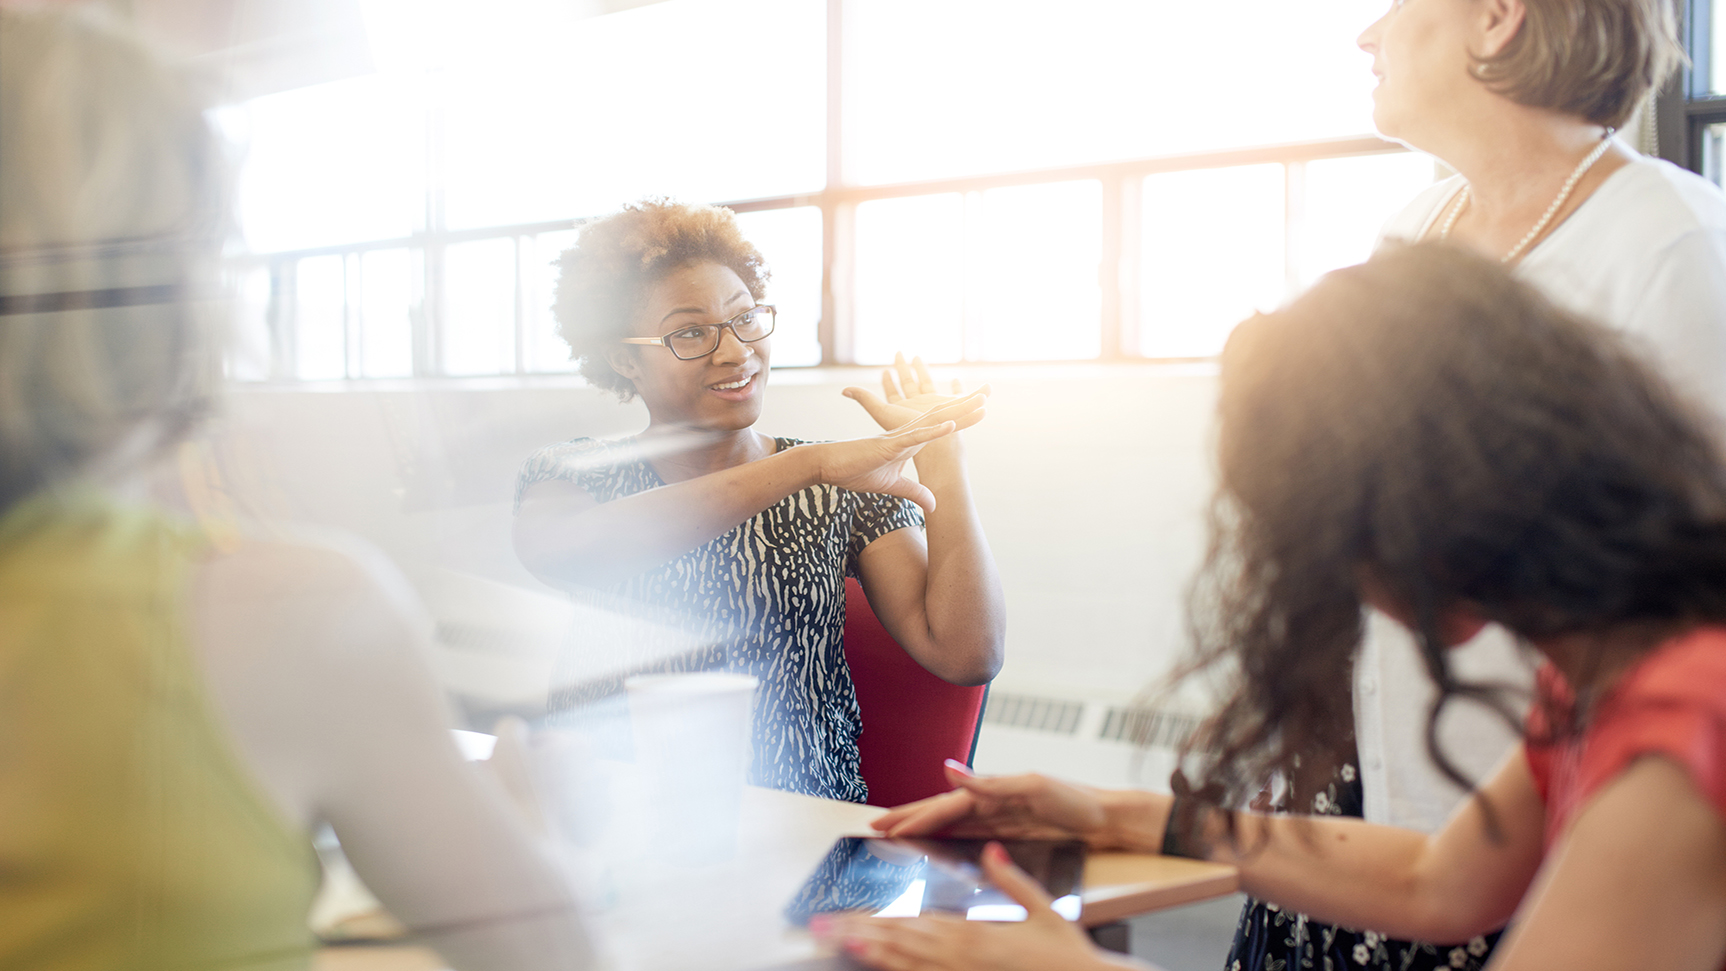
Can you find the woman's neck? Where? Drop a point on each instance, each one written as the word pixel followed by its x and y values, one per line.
pixel 1593 661
pixel 1516 161
pixel 680 452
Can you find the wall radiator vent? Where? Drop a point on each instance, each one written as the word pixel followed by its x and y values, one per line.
pixel 1149 727
pixel 1055 715
pixel 1137 725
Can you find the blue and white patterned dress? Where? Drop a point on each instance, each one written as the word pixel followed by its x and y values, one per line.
pixel 767 598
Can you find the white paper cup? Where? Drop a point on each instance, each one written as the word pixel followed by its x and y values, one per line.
pixel 691 735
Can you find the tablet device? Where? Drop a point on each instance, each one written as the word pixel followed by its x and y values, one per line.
pixel 905 877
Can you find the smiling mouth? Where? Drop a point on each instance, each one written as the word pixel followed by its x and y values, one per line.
pixel 733 386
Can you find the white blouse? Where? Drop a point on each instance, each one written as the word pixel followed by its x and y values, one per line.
pixel 1646 254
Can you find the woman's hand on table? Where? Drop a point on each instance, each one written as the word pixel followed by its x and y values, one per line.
pixel 877 464
pixel 1015 806
pixel 1043 940
pixel 1034 807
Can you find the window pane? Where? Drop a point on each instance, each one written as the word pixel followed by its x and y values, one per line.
pixel 702 100
pixel 335 163
pixel 320 339
pixel 948 87
pixel 1714 153
pixel 790 241
pixel 1032 290
pixel 1348 201
pixel 545 351
pixel 387 304
pixel 251 350
pixel 1716 46
pixel 1212 254
pixel 479 303
pixel 910 278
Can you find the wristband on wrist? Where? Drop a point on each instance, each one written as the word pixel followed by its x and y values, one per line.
pixel 1181 836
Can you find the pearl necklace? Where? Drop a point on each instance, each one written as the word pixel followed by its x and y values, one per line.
pixel 1563 194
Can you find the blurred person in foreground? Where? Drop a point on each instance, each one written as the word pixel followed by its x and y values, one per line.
pixel 1521 99
pixel 179 710
pixel 740 541
pixel 1428 436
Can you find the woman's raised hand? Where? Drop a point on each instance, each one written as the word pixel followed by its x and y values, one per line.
pixel 907 392
pixel 950 943
pixel 1016 806
pixel 877 464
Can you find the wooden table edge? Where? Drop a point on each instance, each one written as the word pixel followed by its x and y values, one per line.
pixel 1108 905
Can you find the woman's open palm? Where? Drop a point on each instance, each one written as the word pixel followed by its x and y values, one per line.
pixel 907 393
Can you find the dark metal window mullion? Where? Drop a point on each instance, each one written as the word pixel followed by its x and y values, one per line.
pixel 523 245
pixel 431 320
pixel 970 205
pixel 353 320
pixel 1677 125
pixel 1111 270
pixel 1698 36
pixel 833 329
pixel 1130 277
pixel 283 319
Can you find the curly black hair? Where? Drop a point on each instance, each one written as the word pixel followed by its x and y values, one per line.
pixel 1429 422
pixel 603 279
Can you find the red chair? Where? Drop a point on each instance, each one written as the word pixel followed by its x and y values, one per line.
pixel 912 720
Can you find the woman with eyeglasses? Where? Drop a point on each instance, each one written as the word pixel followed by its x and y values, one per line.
pixel 727 548
pixel 1428 436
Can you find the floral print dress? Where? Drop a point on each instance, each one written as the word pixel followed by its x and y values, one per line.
pixel 1271 939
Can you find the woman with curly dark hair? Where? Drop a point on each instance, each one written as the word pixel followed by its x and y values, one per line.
pixel 1425 435
pixel 737 542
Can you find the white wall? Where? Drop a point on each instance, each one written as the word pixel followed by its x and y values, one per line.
pixel 1091 480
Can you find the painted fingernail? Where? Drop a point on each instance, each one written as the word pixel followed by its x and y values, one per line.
pixel 996 852
pixel 820 925
pixel 958 766
pixel 854 945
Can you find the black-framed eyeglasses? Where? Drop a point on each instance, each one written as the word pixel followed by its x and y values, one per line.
pixel 700 340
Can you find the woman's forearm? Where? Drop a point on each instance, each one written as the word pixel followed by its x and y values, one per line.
pixel 963 605
pixel 1448 887
pixel 604 542
pixel 1445 888
pixel 1133 820
pixel 1340 871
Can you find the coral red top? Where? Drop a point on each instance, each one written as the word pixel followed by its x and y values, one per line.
pixel 1672 703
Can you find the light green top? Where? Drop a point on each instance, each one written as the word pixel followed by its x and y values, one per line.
pixel 131 836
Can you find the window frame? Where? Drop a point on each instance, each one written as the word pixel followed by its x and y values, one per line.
pixel 1685 106
pixel 1117 270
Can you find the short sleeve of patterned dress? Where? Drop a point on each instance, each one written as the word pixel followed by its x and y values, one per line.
pixel 876 516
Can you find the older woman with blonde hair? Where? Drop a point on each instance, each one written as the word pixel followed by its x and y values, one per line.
pixel 1521 98
pixel 180 712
